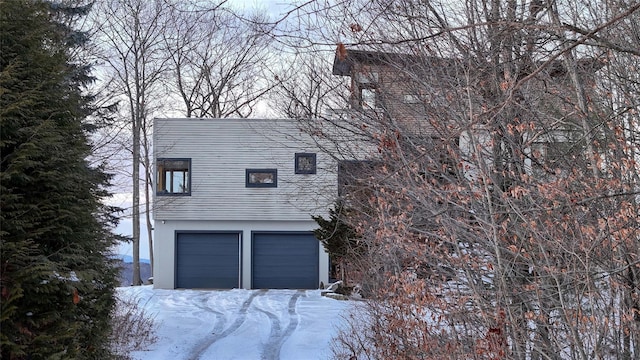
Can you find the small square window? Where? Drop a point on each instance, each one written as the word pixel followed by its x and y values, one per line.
pixel 261 178
pixel 305 163
pixel 174 176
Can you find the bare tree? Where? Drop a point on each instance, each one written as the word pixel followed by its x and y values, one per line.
pixel 304 90
pixel 501 214
pixel 218 60
pixel 131 36
pixel 210 57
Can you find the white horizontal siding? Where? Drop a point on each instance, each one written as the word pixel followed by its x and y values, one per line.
pixel 221 150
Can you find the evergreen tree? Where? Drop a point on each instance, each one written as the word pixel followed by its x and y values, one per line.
pixel 57 279
pixel 339 238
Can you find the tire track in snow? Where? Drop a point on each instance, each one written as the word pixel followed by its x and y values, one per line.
pixel 219 326
pixel 277 337
pixel 274 334
pixel 242 315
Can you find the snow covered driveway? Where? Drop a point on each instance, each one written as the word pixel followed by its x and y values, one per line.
pixel 239 324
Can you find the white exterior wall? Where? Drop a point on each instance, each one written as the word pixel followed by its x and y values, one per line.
pixel 164 245
pixel 222 149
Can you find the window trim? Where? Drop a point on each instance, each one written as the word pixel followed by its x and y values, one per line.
pixel 158 183
pixel 249 184
pixel 313 157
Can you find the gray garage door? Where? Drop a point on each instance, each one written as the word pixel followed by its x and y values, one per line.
pixel 285 260
pixel 208 260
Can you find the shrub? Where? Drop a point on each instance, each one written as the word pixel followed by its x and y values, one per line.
pixel 133 328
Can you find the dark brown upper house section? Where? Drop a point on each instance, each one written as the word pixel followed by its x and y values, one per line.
pixel 382 84
pixel 422 94
pixel 406 88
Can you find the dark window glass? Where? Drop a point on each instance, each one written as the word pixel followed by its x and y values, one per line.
pixel 261 178
pixel 305 163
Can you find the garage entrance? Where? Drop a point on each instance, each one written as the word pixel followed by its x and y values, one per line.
pixel 208 260
pixel 284 260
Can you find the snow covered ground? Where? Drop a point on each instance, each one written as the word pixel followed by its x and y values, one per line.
pixel 239 324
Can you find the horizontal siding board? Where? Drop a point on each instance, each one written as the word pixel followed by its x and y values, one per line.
pixel 221 150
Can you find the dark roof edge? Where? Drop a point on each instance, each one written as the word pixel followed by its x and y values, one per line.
pixel 346 58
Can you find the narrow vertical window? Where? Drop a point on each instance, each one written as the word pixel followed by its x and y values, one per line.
pixel 174 176
pixel 368 98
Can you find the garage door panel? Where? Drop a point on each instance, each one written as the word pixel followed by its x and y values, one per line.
pixel 285 260
pixel 207 260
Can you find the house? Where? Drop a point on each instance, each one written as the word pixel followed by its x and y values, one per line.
pixel 420 97
pixel 234 198
pixel 395 87
pixel 233 203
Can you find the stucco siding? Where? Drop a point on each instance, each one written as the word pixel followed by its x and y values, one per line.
pixel 165 245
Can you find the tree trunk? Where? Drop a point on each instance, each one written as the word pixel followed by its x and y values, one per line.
pixel 149 186
pixel 136 202
pixel 136 179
